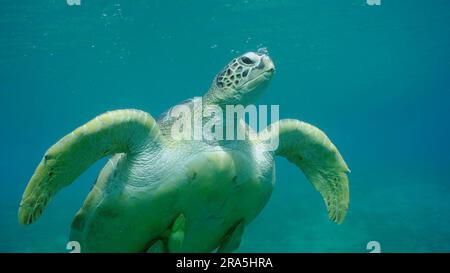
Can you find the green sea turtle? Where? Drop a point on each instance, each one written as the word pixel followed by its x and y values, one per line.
pixel 158 194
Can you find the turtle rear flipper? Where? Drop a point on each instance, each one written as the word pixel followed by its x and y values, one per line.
pixel 158 247
pixel 232 240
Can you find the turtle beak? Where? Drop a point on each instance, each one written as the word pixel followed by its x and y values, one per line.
pixel 266 65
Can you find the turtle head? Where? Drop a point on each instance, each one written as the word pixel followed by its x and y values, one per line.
pixel 242 80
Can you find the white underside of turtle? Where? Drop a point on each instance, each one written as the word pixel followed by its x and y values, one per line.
pixel 157 194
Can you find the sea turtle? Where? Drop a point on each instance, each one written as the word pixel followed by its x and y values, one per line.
pixel 161 194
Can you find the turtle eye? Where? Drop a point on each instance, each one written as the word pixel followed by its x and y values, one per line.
pixel 246 60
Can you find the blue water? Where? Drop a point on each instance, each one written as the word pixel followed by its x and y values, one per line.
pixel 374 78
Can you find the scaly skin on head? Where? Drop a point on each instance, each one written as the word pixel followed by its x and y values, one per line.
pixel 241 81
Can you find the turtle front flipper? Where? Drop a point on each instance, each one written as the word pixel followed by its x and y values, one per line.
pixel 313 152
pixel 232 240
pixel 121 131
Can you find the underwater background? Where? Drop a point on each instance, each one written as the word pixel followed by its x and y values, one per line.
pixel 374 78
